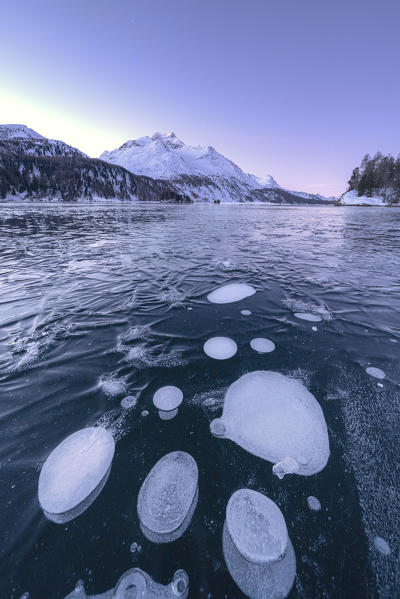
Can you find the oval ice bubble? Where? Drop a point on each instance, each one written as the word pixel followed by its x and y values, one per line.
pixel 276 418
pixel 313 503
pixel 375 372
pixel 167 400
pixel 128 402
pixel 308 316
pixel 256 526
pixel 382 546
pixel 262 345
pixel 74 469
pixel 113 387
pixel 245 312
pixel 168 497
pixel 232 292
pixel 220 348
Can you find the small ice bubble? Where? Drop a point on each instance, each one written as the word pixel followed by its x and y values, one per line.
pixel 313 503
pixel 245 312
pixel 145 413
pixel 308 316
pixel 382 546
pixel 135 548
pixel 262 345
pixel 375 372
pixel 220 348
pixel 314 328
pixel 167 399
pixel 128 402
pixel 380 384
pixel 233 292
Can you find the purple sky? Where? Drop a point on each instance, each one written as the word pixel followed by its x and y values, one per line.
pixel 299 89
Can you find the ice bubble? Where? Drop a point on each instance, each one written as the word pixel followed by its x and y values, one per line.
pixel 276 418
pixel 308 316
pixel 375 372
pixel 260 581
pixel 220 348
pixel 313 503
pixel 314 328
pixel 245 312
pixel 256 546
pixel 75 472
pixel 137 584
pixel 135 548
pixel 262 345
pixel 168 497
pixel 167 399
pixel 145 413
pixel 286 466
pixel 233 292
pixel 128 402
pixel 382 546
pixel 113 387
pixel 380 385
pixel 256 526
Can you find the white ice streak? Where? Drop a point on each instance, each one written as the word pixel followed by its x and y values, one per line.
pixel 232 292
pixel 308 316
pixel 220 348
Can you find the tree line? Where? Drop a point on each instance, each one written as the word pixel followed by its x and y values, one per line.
pixel 379 175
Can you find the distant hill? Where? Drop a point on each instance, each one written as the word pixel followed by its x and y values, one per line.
pixel 33 167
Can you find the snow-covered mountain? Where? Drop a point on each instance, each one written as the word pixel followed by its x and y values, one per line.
pixel 199 172
pixel 33 167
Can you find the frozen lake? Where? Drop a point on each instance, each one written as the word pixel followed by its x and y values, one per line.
pixel 107 301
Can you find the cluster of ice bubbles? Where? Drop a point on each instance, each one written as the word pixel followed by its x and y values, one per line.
pixel 269 415
pixel 136 584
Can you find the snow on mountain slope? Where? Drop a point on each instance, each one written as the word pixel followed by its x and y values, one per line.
pixel 19 131
pixel 199 172
pixel 19 139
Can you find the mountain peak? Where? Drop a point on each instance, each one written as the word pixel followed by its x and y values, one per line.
pixel 18 131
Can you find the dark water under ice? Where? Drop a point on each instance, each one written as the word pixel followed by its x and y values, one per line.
pixel 89 293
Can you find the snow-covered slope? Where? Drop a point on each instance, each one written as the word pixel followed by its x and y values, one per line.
pixel 19 131
pixel 199 172
pixel 350 198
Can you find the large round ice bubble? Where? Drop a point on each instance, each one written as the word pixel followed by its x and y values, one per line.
pixel 276 418
pixel 168 497
pixel 75 472
pixel 220 348
pixel 233 292
pixel 256 526
pixel 168 399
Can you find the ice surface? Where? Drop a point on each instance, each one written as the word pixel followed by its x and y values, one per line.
pixel 220 348
pixel 262 345
pixel 375 372
pixel 256 526
pixel 137 584
pixel 168 398
pixel 245 312
pixel 313 503
pixel 276 418
pixel 128 402
pixel 168 496
pixel 265 581
pixel 74 469
pixel 382 546
pixel 308 316
pixel 233 292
